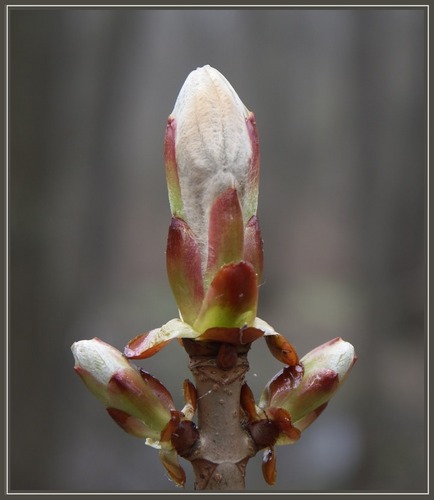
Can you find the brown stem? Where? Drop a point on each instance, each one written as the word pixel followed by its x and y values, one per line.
pixel 223 449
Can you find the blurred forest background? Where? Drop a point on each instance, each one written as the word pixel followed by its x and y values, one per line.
pixel 340 101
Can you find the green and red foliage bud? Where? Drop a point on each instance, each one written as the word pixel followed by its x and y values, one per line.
pixel 304 393
pixel 214 263
pixel 138 402
pixel 214 251
pixel 212 168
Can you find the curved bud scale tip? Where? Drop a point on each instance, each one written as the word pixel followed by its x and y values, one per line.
pixel 247 401
pixel 172 176
pixel 166 433
pixel 158 389
pixel 142 346
pixel 281 384
pixel 252 191
pixel 146 345
pixel 269 466
pixel 281 349
pixel 190 399
pixel 231 299
pixel 169 458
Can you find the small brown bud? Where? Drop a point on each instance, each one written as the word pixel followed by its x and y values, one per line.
pixel 184 437
pixel 264 432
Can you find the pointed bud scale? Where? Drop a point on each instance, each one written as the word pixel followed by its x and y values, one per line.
pixel 147 344
pixel 120 386
pixel 247 402
pixel 269 466
pixel 282 419
pixel 251 204
pixel 307 420
pixel 172 176
pixel 281 384
pixel 129 424
pixel 253 246
pixel 231 299
pixel 225 231
pixel 143 346
pixel 166 433
pixel 325 369
pixel 146 399
pixel 184 269
pixel 158 389
pixel 169 458
pixel 190 399
pixel 281 349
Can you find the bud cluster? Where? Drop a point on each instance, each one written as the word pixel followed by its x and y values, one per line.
pixel 214 260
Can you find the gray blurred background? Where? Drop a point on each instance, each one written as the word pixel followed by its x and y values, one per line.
pixel 339 97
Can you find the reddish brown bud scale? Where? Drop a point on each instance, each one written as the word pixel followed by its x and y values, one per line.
pixel 139 348
pixel 158 389
pixel 284 381
pixel 169 141
pixel 190 394
pixel 253 176
pixel 184 269
pixel 320 409
pixel 169 459
pixel 231 299
pixel 120 383
pixel 129 424
pixel 269 466
pixel 166 433
pixel 247 401
pixel 283 420
pixel 225 231
pixel 282 350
